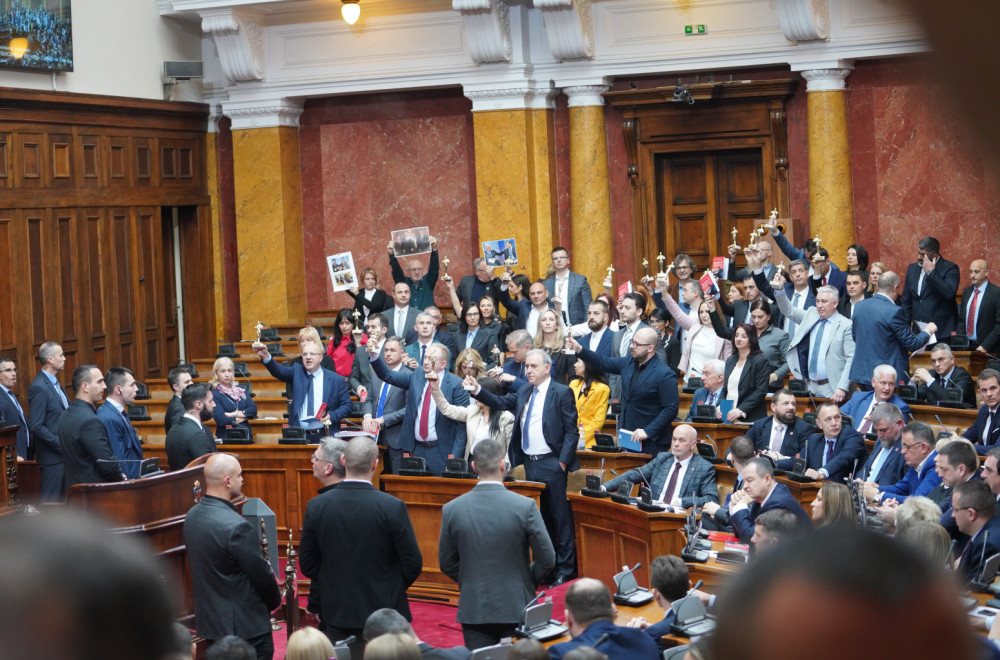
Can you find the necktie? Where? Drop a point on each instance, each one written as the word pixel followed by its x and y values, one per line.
pixel 17 405
pixel 824 280
pixel 425 413
pixel 790 327
pixel 525 441
pixel 970 321
pixel 423 349
pixel 829 451
pixel 989 427
pixel 868 421
pixel 62 395
pixel 817 342
pixel 668 492
pixel 920 282
pixel 400 320
pixel 711 398
pixel 310 398
pixel 381 399
pixel 777 435
pixel 626 340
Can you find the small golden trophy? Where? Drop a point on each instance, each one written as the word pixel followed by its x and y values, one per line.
pixel 645 268
pixel 357 322
pixel 259 327
pixel 608 281
pixel 734 233
pixel 445 262
pixel 660 259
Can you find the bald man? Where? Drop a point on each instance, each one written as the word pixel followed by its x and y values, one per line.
pixel 234 587
pixel 979 313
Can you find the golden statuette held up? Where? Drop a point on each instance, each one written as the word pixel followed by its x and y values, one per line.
pixel 734 233
pixel 357 322
pixel 445 262
pixel 818 241
pixel 259 327
pixel 645 266
pixel 660 259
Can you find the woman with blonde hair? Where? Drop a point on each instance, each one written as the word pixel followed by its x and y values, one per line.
pixel 874 271
pixel 470 363
pixel 309 644
pixel 394 646
pixel 233 406
pixel 551 339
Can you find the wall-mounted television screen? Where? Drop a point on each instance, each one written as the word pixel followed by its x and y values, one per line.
pixel 36 34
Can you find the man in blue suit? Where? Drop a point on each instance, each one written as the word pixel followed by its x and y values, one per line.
pixel 590 615
pixel 985 431
pixel 571 289
pixel 761 493
pixel 529 309
pixel 862 405
pixel 921 478
pixel 709 394
pixel 649 389
pixel 884 332
pixel 834 452
pixel 600 337
pixel 930 288
pixel 385 406
pixel 973 507
pixel 47 402
pixel 885 466
pixel 425 432
pixel 544 440
pixel 113 414
pixel 679 477
pixel 783 434
pixel 10 407
pixel 312 386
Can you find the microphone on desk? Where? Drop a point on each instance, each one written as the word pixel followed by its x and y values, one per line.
pixel 531 603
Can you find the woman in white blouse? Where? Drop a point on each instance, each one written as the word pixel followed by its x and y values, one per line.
pixel 701 344
pixel 480 421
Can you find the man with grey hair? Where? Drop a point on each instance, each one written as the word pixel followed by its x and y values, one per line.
pixel 513 375
pixel 387 621
pixel 862 405
pixel 481 283
pixel 47 401
pixel 946 375
pixel 328 468
pixel 921 477
pixel 885 465
pixel 710 392
pixel 822 350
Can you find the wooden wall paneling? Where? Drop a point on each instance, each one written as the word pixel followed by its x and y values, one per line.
pixel 143 163
pixel 155 284
pixel 92 158
pixel 68 329
pixel 121 280
pixel 168 292
pixel 34 220
pixel 93 292
pixel 118 156
pixel 8 286
pixel 59 149
pixel 30 162
pixel 6 180
pixel 197 238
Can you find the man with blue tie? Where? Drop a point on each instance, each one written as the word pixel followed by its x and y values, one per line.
pixel 985 431
pixel 312 386
pixel 544 440
pixel 885 466
pixel 10 407
pixel 122 389
pixel 425 335
pixel 834 452
pixel 46 404
pixel 922 477
pixel 385 406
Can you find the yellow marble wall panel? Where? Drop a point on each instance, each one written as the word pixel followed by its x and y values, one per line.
pixel 266 179
pixel 212 181
pixel 590 197
pixel 831 195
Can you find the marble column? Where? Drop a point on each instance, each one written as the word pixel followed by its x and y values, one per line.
pixel 831 193
pixel 515 172
pixel 266 181
pixel 590 196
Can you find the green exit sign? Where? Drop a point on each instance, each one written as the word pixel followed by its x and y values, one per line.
pixel 691 30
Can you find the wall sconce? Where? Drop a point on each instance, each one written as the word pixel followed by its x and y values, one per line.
pixel 351 11
pixel 18 47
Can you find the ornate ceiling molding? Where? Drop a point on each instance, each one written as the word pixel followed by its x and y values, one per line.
pixel 804 20
pixel 264 113
pixel 239 38
pixel 487 29
pixel 570 28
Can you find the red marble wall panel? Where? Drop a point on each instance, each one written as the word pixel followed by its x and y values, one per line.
pixel 376 163
pixel 560 132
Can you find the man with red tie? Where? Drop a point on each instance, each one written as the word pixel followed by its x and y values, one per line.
pixel 979 312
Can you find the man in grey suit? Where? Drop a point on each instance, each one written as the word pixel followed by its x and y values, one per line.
pixel 571 289
pixel 385 406
pixel 234 588
pixel 488 539
pixel 822 351
pixel 401 315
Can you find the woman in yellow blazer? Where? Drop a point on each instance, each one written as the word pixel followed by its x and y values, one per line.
pixel 591 391
pixel 480 421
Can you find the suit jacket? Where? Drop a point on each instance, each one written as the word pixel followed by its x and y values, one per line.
pixel 892 469
pixel 393 410
pixel 936 301
pixel 15 417
pixel 840 356
pixel 752 386
pixel 185 442
pixel 359 543
pixel 175 410
pixel 661 628
pixel 450 434
pixel 559 419
pixel 411 319
pixel 520 308
pixel 835 278
pixel 234 588
pixel 848 448
pixel 780 498
pixel 603 346
pixel 959 378
pixel 858 405
pixel 124 442
pixel 697 488
pixel 472 415
pixel 491 532
pixel 622 642
pixel 844 307
pixel 914 483
pixel 45 408
pixel 979 549
pixel 578 296
pixel 975 432
pixel 335 394
pixel 484 342
pixel 887 338
pixel 700 397
pixel 649 395
pixel 491 289
pixel 988 322
pixel 380 302
pixel 86 452
pixel 793 442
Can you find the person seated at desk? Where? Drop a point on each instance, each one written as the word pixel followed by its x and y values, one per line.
pixel 590 615
pixel 716 517
pixel 233 406
pixel 591 391
pixel 834 452
pixel 710 391
pixel 973 507
pixel 985 431
pixel 783 434
pixel 886 465
pixel 679 478
pixel 771 528
pixel 669 580
pixel 833 506
pixel 946 375
pixel 761 493
pixel 921 478
pixel 861 405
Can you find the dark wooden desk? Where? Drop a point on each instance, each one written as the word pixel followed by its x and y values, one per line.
pixel 620 462
pixel 804 494
pixel 952 417
pixel 424 498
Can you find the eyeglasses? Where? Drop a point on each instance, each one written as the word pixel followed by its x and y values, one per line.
pixel 637 344
pixel 907 446
pixel 317 459
pixel 9 370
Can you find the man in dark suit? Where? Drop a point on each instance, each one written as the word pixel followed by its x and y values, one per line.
pixel 113 414
pixel 797 290
pixel 10 407
pixel 340 523
pixel 571 289
pixel 985 431
pixel 401 316
pixel 387 621
pixel 947 375
pixel 669 581
pixel 761 493
pixel 885 466
pixel 824 275
pixel 599 339
pixel 833 453
pixel 178 379
pixel 189 438
pixel 887 338
pixel 590 615
pixel 481 283
pixel 46 404
pixel 979 313
pixel 973 507
pixel 783 434
pixel 921 477
pixel 679 478
pixel 649 389
pixel 544 440
pixel 487 533
pixel 233 586
pixel 312 386
pixel 514 373
pixel 630 309
pixel 361 370
pixel 709 394
pixel 527 310
pixel 762 252
pixel 83 440
pixel 930 288
pixel 861 405
pixel 436 334
pixel 385 406
pixel 857 290
pixel 425 432
pixel 716 516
